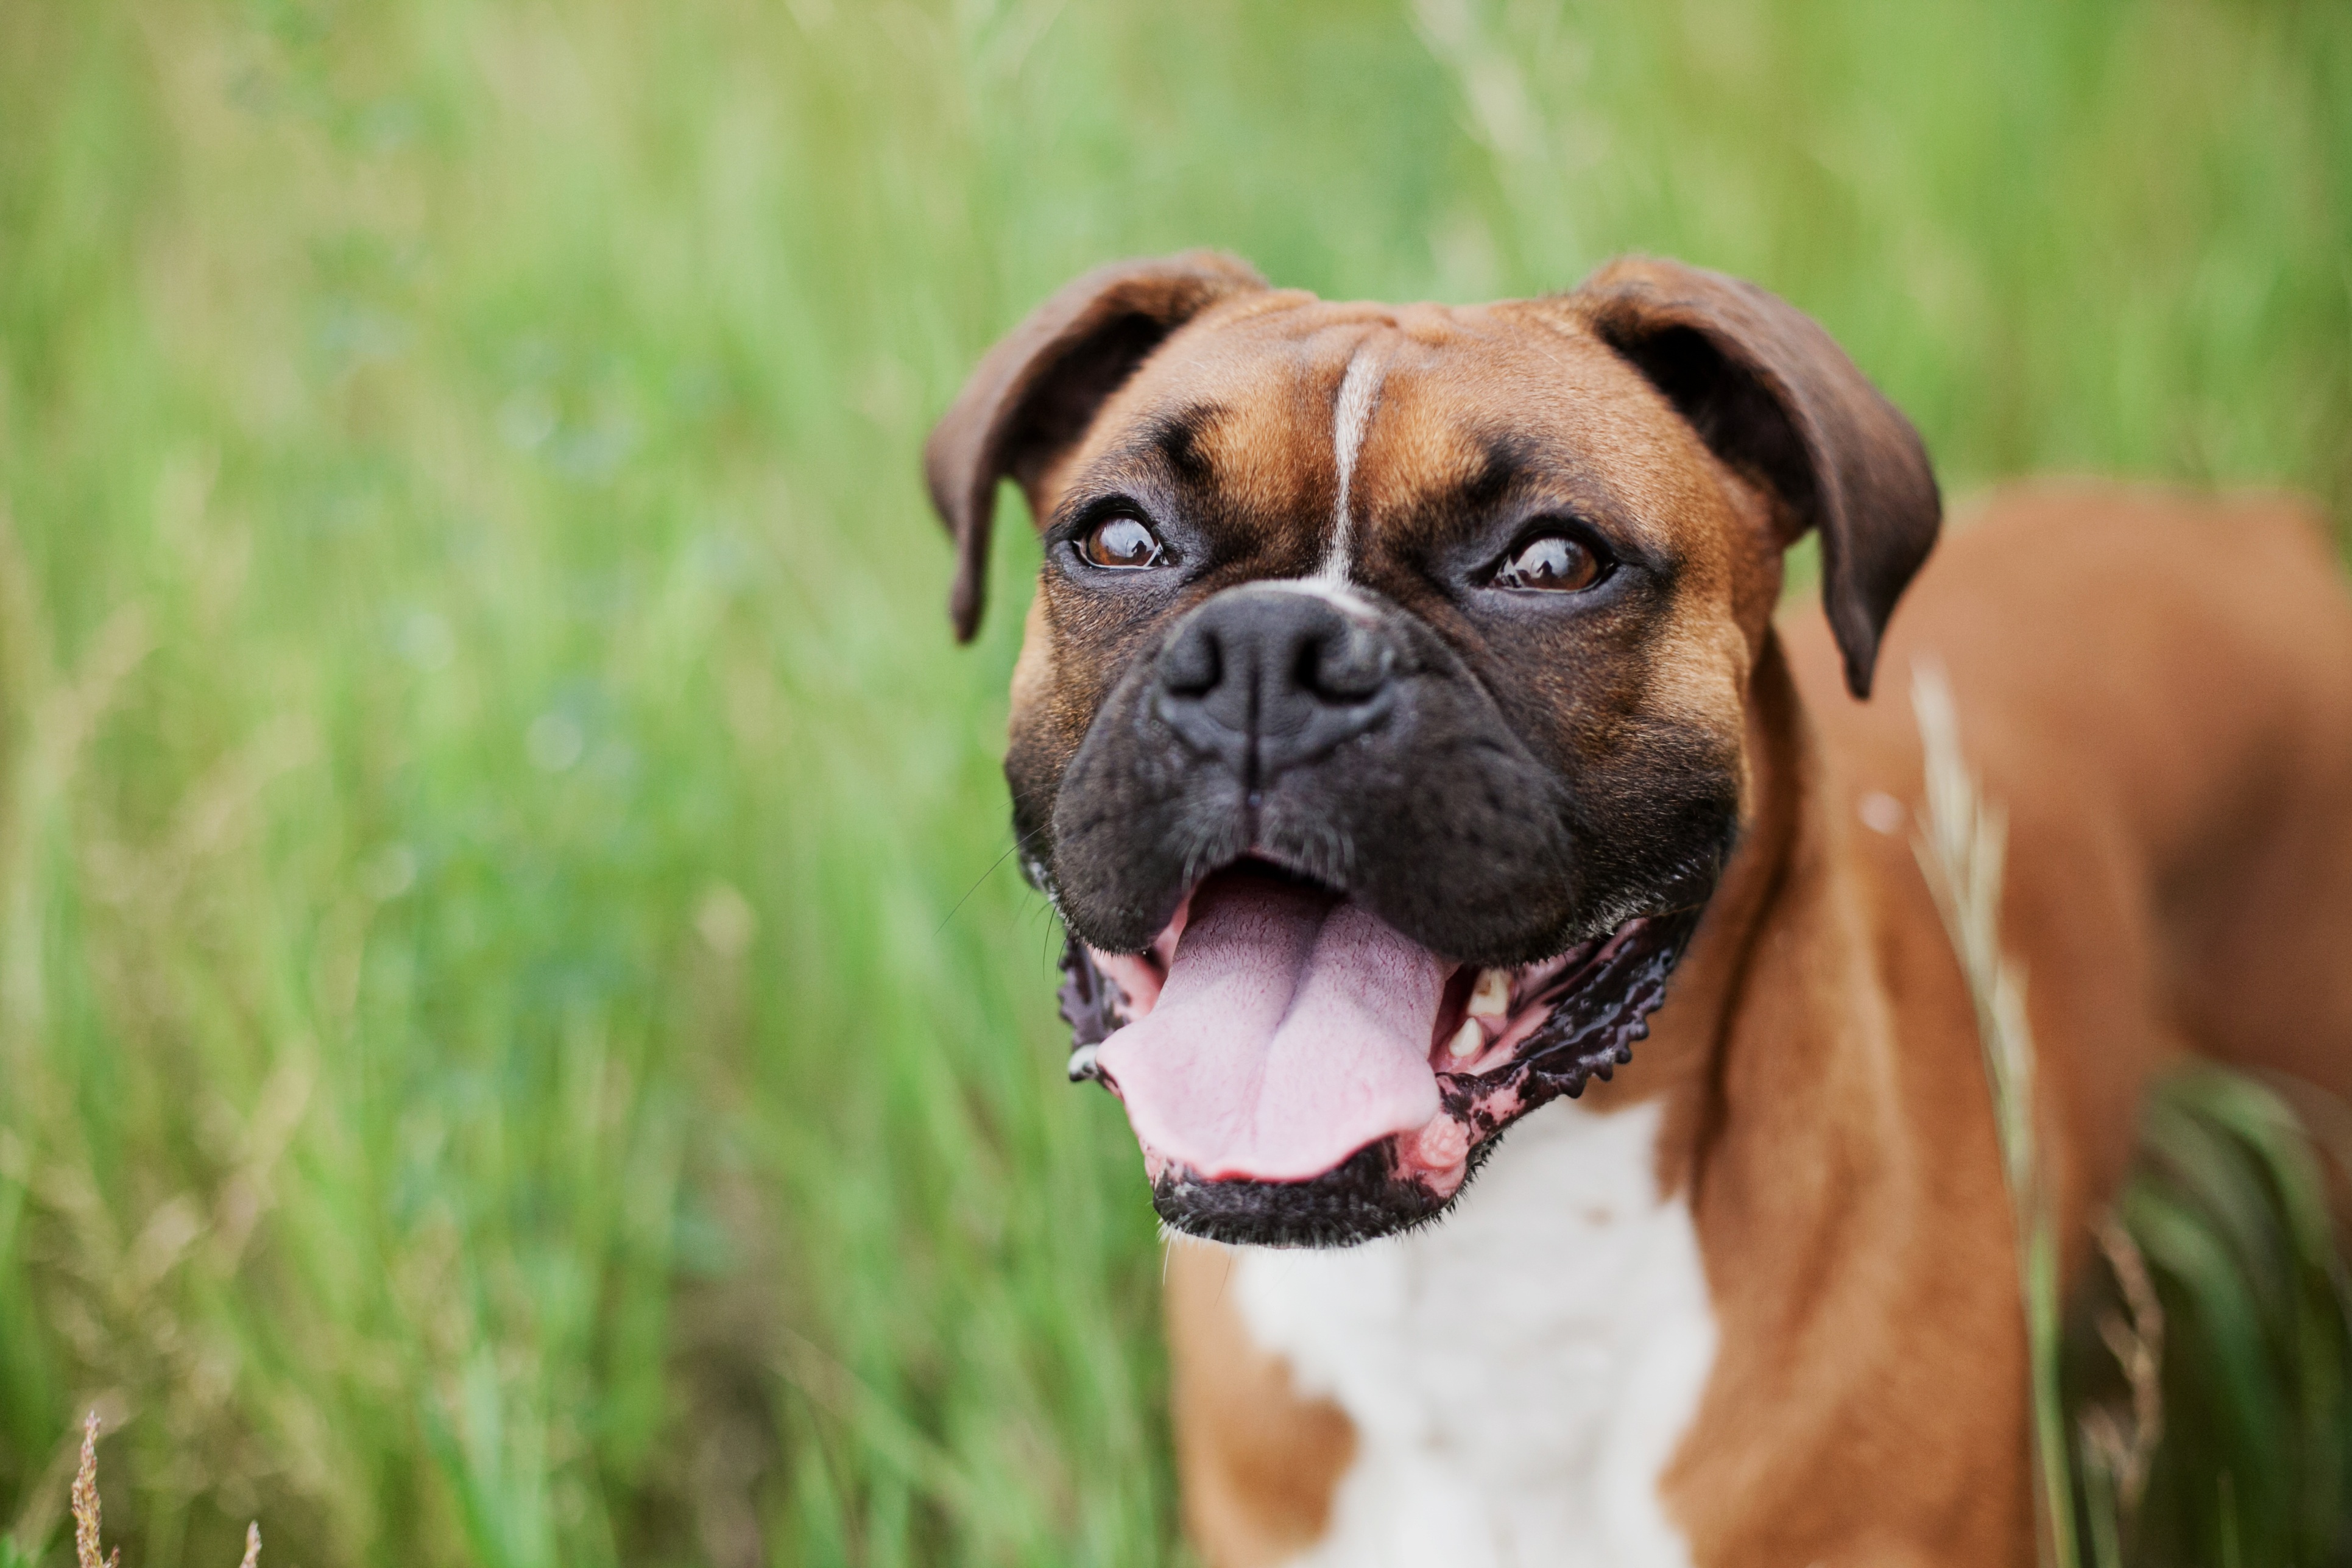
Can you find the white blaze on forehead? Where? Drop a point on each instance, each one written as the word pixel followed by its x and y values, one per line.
pixel 1352 415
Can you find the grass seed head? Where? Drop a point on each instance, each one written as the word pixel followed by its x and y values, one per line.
pixel 85 1502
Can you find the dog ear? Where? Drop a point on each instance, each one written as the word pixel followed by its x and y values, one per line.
pixel 1772 396
pixel 1032 397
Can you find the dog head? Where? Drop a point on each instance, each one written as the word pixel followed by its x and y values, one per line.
pixel 1379 730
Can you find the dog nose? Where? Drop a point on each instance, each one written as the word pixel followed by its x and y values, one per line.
pixel 1265 679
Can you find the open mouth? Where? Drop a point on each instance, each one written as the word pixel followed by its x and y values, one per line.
pixel 1301 1073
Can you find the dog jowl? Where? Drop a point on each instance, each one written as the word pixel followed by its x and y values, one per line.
pixel 1378 730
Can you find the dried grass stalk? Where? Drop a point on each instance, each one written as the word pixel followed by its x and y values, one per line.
pixel 1961 845
pixel 85 1502
pixel 86 1511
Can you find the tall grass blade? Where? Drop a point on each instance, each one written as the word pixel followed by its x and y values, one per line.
pixel 2231 1202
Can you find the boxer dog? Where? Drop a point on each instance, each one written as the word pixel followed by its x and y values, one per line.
pixel 1404 736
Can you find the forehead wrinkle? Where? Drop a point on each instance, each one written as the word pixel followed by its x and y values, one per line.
pixel 1556 413
pixel 1177 437
pixel 1261 446
pixel 1173 445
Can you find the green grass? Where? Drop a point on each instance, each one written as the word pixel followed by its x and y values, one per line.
pixel 2231 1208
pixel 517 1046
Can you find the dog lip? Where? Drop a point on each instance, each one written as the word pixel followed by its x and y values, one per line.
pixel 1361 1198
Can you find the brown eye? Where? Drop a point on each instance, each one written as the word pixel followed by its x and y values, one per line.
pixel 1123 543
pixel 1552 560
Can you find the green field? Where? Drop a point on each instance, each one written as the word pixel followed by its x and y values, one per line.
pixel 517 1044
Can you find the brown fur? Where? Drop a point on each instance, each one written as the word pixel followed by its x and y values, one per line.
pixel 1259 1462
pixel 2157 688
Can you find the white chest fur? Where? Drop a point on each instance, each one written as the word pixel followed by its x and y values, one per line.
pixel 1518 1375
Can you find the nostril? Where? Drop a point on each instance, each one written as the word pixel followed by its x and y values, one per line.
pixel 1192 664
pixel 1348 664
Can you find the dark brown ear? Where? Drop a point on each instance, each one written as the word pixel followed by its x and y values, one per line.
pixel 1774 398
pixel 1034 395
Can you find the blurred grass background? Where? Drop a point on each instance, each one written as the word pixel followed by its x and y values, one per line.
pixel 517 1046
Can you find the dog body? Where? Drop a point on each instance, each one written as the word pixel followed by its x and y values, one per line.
pixel 1402 687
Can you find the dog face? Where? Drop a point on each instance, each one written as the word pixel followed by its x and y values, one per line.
pixel 1379 731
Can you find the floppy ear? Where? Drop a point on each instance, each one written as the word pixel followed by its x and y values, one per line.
pixel 1774 398
pixel 1034 395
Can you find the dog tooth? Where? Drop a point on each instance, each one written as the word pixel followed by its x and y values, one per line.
pixel 1467 1041
pixel 1491 997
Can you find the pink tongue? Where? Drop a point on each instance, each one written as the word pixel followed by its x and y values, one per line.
pixel 1293 1030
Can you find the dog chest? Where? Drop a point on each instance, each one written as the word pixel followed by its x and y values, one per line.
pixel 1520 1374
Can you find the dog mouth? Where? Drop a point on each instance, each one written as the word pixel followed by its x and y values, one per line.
pixel 1299 1072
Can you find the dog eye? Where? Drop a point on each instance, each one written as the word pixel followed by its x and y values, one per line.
pixel 1550 560
pixel 1123 544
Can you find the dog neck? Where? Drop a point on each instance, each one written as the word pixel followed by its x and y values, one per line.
pixel 1681 1063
